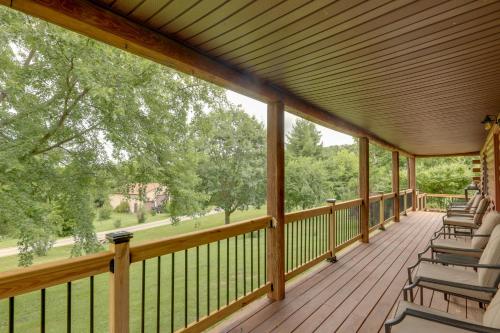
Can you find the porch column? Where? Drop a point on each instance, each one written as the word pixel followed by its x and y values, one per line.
pixel 276 199
pixel 496 170
pixel 395 183
pixel 364 187
pixel 412 181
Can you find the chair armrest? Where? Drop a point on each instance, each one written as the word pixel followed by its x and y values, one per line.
pixel 438 319
pixel 435 261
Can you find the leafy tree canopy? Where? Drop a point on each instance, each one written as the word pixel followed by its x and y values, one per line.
pixel 74 113
pixel 232 169
pixel 304 139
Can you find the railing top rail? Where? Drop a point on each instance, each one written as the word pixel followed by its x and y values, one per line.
pixel 376 197
pixel 23 280
pixel 440 195
pixel 177 243
pixel 389 195
pixel 303 214
pixel 348 204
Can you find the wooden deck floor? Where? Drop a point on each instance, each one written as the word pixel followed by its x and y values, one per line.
pixel 357 293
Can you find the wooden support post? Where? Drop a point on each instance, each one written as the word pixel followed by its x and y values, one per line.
pixel 364 187
pixel 413 182
pixel 276 199
pixel 119 282
pixel 395 184
pixel 496 170
pixel 332 243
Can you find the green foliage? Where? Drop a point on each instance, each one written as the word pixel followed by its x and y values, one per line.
pixel 123 207
pixel 444 175
pixel 232 166
pixel 117 223
pixel 77 118
pixel 306 183
pixel 141 215
pixel 304 139
pixel 105 211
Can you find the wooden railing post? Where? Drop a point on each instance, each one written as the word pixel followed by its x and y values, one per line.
pixel 395 184
pixel 413 181
pixel 382 215
pixel 332 242
pixel 364 187
pixel 405 203
pixel 119 281
pixel 276 199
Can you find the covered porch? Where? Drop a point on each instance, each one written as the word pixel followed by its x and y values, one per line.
pixel 415 78
pixel 356 294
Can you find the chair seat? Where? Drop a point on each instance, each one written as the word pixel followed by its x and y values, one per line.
pixel 451 274
pixel 460 221
pixel 412 324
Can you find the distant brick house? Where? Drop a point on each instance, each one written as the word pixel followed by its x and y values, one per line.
pixel 149 196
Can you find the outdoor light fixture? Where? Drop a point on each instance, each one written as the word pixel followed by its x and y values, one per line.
pixel 489 120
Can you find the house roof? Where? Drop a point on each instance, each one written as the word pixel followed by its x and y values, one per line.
pixel 417 76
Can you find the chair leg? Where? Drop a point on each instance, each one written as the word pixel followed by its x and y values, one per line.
pixel 445 295
pixel 421 296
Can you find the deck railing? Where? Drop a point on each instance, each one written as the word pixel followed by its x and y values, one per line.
pixel 181 283
pixel 439 202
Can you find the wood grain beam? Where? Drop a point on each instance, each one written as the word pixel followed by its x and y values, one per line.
pixel 413 181
pixel 276 199
pixel 395 184
pixel 364 187
pixel 471 153
pixel 98 23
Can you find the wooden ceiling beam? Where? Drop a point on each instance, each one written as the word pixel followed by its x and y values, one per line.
pixel 101 24
pixel 472 153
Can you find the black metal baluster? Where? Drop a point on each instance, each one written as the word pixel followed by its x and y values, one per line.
pixel 236 267
pixel 185 288
pixel 42 310
pixel 11 314
pixel 172 294
pixel 258 257
pixel 68 313
pixel 244 265
pixel 251 260
pixel 265 255
pixel 287 246
pixel 91 304
pixel 218 275
pixel 197 283
pixel 208 279
pixel 309 231
pixel 143 296
pixel 227 271
pixel 158 294
pixel 296 223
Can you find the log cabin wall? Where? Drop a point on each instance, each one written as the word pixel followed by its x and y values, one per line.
pixel 490 172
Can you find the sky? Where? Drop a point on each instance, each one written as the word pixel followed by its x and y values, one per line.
pixel 258 109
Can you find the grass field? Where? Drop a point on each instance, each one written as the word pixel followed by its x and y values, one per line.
pixel 103 225
pixel 211 278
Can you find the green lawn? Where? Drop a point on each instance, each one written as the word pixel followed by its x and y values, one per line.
pixel 228 270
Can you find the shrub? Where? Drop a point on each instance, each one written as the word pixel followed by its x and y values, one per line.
pixel 123 207
pixel 105 212
pixel 117 223
pixel 141 215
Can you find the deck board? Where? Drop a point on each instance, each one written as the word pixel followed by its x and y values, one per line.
pixel 356 294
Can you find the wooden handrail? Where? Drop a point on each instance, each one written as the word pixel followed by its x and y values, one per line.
pixel 348 204
pixel 439 195
pixel 23 280
pixel 172 244
pixel 376 197
pixel 304 214
pixel 389 195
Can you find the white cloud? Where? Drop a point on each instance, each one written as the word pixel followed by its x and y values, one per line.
pixel 258 110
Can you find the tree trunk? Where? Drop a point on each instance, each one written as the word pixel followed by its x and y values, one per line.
pixel 227 217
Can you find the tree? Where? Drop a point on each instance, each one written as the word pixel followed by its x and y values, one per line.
pixel 77 115
pixel 306 183
pixel 232 169
pixel 304 140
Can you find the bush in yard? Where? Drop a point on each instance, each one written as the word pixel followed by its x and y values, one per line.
pixel 105 212
pixel 141 215
pixel 117 223
pixel 123 207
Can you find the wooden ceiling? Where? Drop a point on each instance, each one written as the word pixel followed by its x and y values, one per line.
pixel 417 75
